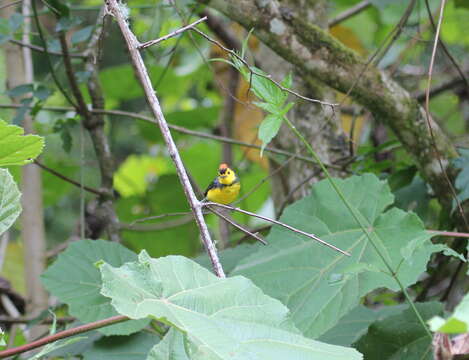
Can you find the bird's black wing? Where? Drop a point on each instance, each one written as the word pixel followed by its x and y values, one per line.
pixel 215 184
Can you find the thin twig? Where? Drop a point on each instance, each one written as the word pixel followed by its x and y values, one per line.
pixel 42 50
pixel 445 48
pixel 254 72
pixel 311 236
pixel 182 130
pixel 263 180
pixel 354 10
pixel 62 335
pixel 142 74
pixel 221 30
pixel 427 115
pixel 386 45
pixel 148 218
pixel 49 61
pixel 66 178
pixel 236 225
pixel 11 4
pixel 158 226
pixel 170 35
pixel 452 84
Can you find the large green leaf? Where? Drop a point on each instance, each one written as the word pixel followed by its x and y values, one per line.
pixel 10 205
pixel 76 281
pixel 400 336
pixel 221 318
pixel 457 323
pixel 170 348
pixel 17 148
pixel 320 285
pixel 133 347
pixel 355 324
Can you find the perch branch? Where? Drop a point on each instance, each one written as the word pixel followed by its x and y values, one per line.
pixel 236 225
pixel 170 35
pixel 142 74
pixel 311 236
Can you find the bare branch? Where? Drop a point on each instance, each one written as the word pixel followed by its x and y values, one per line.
pixel 254 72
pixel 158 226
pixel 236 225
pixel 429 122
pixel 65 178
pixel 42 50
pixel 11 4
pixel 170 35
pixel 142 75
pixel 186 131
pixel 311 236
pixel 347 14
pixel 62 335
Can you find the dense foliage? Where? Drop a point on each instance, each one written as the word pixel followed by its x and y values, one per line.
pixel 122 242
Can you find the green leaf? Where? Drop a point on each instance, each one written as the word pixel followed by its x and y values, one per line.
pixel 133 347
pixel 63 126
pixel 55 346
pixel 66 23
pixel 228 257
pixel 58 8
pixel 10 205
pixel 266 107
pixel 16 148
pixel 303 267
pixel 172 347
pixel 461 3
pixel 355 324
pixel 400 336
pixel 42 93
pixel 15 21
pixel 20 90
pixel 245 44
pixel 268 129
pixel 288 81
pixel 82 34
pixel 266 90
pixel 457 323
pixel 137 172
pixel 75 280
pixel 221 318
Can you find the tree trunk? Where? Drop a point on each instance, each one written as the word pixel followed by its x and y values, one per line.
pixel 20 71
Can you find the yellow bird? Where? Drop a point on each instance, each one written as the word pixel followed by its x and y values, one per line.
pixel 225 188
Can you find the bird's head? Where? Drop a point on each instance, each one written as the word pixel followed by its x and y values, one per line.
pixel 225 174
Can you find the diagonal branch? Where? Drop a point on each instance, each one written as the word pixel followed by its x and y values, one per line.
pixel 347 14
pixel 142 75
pixel 62 335
pixel 170 35
pixel 276 222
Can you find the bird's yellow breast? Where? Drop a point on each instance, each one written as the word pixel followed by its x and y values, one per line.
pixel 224 195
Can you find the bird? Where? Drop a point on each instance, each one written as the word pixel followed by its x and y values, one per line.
pixel 224 189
